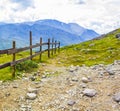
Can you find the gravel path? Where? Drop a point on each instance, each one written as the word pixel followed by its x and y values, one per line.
pixel 73 88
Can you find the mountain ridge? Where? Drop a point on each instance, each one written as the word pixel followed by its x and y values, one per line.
pixel 65 33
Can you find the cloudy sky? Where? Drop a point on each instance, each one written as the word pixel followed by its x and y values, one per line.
pixel 99 15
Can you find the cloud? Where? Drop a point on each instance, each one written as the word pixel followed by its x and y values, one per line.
pixel 78 2
pixel 100 15
pixel 23 4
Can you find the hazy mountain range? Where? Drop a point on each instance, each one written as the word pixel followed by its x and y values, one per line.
pixel 65 33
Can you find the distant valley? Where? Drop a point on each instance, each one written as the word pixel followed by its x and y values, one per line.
pixel 67 34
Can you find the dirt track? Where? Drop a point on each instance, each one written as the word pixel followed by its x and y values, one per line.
pixel 61 89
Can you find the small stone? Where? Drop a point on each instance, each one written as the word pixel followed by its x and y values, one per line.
pixel 83 85
pixel 1 82
pixel 72 68
pixel 85 80
pixel 75 79
pixel 71 102
pixel 59 62
pixel 15 86
pixel 32 90
pixel 116 97
pixel 25 79
pixel 7 94
pixel 25 107
pixel 31 96
pixel 90 92
pixel 32 78
pixel 44 76
pixel 111 72
pixel 43 64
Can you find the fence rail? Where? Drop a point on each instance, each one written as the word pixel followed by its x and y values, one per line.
pixel 51 46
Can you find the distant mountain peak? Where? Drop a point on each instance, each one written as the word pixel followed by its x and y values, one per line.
pixel 66 33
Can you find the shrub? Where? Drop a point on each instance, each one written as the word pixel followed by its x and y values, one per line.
pixel 26 66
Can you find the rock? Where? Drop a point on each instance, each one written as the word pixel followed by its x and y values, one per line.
pixel 73 68
pixel 1 82
pixel 44 76
pixel 31 96
pixel 32 90
pixel 83 85
pixel 91 45
pixel 43 64
pixel 117 62
pixel 25 79
pixel 71 102
pixel 113 69
pixel 85 80
pixel 75 79
pixel 118 36
pixel 15 86
pixel 59 62
pixel 111 72
pixel 116 97
pixel 25 107
pixel 7 94
pixel 90 92
pixel 32 78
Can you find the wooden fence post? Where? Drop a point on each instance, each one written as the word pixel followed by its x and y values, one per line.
pixel 14 46
pixel 49 48
pixel 31 45
pixel 52 45
pixel 55 46
pixel 59 47
pixel 40 49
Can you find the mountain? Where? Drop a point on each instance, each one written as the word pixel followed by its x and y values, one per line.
pixel 70 33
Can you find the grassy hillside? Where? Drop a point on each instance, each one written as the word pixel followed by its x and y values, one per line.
pixel 101 51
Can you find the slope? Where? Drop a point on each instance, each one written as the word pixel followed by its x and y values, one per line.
pixel 100 51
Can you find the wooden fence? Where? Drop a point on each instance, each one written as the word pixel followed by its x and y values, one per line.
pixel 52 47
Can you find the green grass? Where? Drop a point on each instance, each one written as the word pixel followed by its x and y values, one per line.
pixel 27 66
pixel 102 51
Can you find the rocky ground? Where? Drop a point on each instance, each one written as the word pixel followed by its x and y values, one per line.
pixel 74 88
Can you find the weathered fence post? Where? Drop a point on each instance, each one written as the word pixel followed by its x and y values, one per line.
pixel 40 49
pixel 49 48
pixel 14 46
pixel 52 45
pixel 55 46
pixel 31 45
pixel 59 47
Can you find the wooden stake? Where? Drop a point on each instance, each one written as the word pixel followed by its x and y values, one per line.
pixel 40 49
pixel 52 45
pixel 31 45
pixel 14 46
pixel 59 47
pixel 55 46
pixel 49 48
